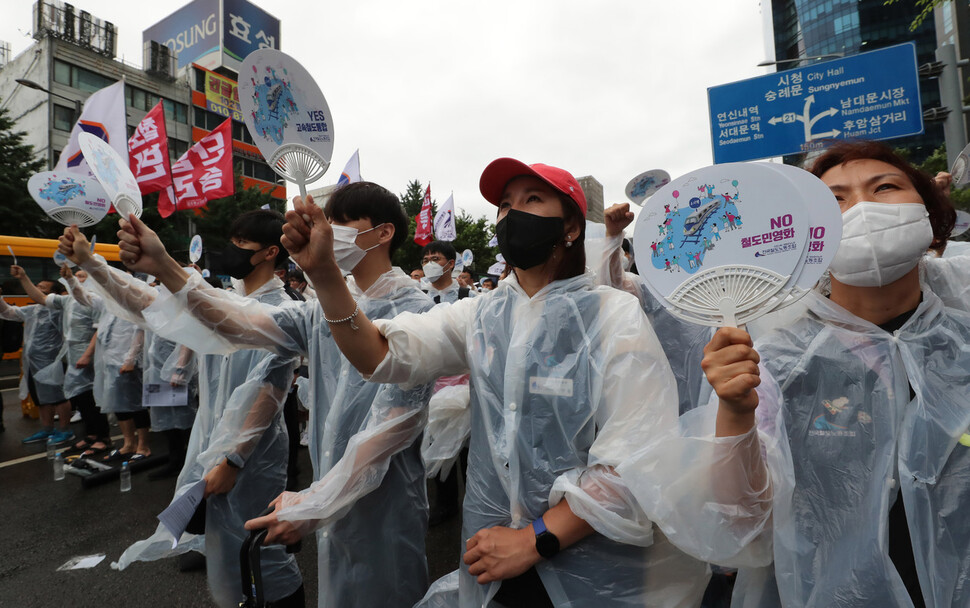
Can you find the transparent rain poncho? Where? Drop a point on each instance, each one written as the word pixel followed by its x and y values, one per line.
pixel 564 387
pixel 42 346
pixel 166 362
pixel 683 342
pixel 368 501
pixel 239 418
pixel 79 325
pixel 843 442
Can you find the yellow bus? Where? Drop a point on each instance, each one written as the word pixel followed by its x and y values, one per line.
pixel 36 256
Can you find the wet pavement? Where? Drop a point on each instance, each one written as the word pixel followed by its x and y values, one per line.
pixel 44 523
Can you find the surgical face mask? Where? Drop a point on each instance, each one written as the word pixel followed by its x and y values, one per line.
pixel 345 249
pixel 527 240
pixel 881 242
pixel 433 271
pixel 236 260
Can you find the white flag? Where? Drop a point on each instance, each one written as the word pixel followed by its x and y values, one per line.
pixel 351 172
pixel 104 117
pixel 444 221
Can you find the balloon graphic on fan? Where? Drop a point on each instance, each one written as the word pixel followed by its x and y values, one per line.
pixel 287 116
pixel 113 173
pixel 725 256
pixel 69 197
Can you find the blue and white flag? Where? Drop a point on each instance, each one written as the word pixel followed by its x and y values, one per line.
pixel 444 221
pixel 104 117
pixel 351 172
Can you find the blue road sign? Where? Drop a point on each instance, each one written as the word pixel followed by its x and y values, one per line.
pixel 872 95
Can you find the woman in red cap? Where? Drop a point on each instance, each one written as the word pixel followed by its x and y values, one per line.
pixel 567 379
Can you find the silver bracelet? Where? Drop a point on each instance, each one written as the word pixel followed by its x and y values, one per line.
pixel 351 318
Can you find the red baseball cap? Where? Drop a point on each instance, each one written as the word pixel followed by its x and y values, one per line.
pixel 501 171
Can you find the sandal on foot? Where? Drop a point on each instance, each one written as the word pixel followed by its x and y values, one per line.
pixel 116 456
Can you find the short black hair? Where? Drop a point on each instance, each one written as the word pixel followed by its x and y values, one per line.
pixel 296 274
pixel 263 226
pixel 57 288
pixel 367 200
pixel 443 247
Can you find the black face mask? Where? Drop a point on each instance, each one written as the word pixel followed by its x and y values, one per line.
pixel 527 240
pixel 235 261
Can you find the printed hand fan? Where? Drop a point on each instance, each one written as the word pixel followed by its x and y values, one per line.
pixel 645 184
pixel 287 116
pixel 113 173
pixel 717 243
pixel 68 197
pixel 824 233
pixel 195 249
pixel 963 223
pixel 465 259
pixel 960 171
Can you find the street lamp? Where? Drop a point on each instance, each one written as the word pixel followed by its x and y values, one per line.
pixel 766 63
pixel 30 84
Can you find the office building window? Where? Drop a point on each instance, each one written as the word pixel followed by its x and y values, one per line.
pixel 63 118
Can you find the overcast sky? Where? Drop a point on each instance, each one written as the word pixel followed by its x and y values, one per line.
pixel 435 90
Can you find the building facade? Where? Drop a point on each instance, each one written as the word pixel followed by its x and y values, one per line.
pixel 74 55
pixel 801 29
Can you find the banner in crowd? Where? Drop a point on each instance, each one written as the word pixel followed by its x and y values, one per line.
pixel 222 96
pixel 148 152
pixel 444 221
pixel 422 232
pixel 104 117
pixel 203 174
pixel 351 172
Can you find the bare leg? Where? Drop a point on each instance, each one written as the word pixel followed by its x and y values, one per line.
pixel 63 413
pixel 143 447
pixel 128 430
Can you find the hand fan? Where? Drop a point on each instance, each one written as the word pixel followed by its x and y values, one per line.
pixel 717 243
pixel 645 184
pixel 287 116
pixel 69 198
pixel 113 173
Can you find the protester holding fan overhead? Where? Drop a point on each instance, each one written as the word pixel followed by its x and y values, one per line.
pixel 559 370
pixel 863 406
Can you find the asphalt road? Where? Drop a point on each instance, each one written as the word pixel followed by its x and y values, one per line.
pixel 44 523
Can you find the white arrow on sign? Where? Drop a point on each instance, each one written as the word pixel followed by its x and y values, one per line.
pixel 809 121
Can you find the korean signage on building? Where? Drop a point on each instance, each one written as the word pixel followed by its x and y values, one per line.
pixel 222 96
pixel 872 95
pixel 216 33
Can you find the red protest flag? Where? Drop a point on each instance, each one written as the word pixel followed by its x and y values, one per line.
pixel 422 232
pixel 203 174
pixel 148 152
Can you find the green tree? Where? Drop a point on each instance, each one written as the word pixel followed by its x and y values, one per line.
pixel 413 198
pixel 22 216
pixel 925 8
pixel 472 233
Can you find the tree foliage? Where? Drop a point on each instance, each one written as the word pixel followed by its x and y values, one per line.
pixel 18 161
pixel 924 8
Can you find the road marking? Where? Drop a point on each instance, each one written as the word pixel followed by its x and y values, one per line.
pixel 10 463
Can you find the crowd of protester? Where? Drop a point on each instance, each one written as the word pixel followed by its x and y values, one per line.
pixel 608 453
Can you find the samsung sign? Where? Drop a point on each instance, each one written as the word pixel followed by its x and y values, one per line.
pixel 215 33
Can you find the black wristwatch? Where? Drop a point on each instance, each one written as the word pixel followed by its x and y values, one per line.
pixel 547 545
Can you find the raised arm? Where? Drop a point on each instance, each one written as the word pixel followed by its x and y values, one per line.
pixel 29 288
pixel 11 313
pixel 238 322
pixel 129 293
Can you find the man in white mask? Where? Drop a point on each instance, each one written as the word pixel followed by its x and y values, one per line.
pixel 438 263
pixel 369 514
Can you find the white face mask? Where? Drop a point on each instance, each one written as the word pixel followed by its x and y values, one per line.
pixel 881 242
pixel 433 271
pixel 345 249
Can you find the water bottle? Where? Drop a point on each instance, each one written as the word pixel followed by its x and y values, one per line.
pixel 125 477
pixel 58 467
pixel 51 448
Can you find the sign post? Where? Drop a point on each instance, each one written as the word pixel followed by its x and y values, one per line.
pixel 872 95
